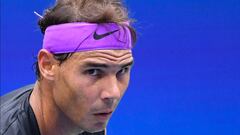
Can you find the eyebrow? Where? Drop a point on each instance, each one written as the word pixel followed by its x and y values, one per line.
pixel 101 65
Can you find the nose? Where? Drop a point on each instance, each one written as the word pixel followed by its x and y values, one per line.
pixel 111 90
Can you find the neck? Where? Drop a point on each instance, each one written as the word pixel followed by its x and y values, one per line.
pixel 51 120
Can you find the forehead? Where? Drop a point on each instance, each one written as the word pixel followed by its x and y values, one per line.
pixel 103 56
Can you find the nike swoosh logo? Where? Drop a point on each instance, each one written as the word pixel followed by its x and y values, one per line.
pixel 100 36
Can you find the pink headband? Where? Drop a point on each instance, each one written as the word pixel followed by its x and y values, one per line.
pixel 75 37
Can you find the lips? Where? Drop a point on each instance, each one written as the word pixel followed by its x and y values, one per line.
pixel 106 111
pixel 103 115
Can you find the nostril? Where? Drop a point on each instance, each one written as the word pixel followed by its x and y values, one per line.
pixel 109 102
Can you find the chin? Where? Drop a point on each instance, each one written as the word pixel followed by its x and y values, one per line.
pixel 98 127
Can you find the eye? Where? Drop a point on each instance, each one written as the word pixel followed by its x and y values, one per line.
pixel 123 71
pixel 93 72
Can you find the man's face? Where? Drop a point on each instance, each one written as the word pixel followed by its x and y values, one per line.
pixel 89 85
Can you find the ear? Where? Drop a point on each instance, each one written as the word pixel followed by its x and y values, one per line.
pixel 47 64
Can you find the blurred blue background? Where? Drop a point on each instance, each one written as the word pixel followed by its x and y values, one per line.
pixel 186 77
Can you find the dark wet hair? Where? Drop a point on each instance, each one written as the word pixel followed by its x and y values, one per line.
pixel 92 11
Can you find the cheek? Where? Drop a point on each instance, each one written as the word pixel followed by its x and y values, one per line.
pixel 70 101
pixel 71 96
pixel 124 83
